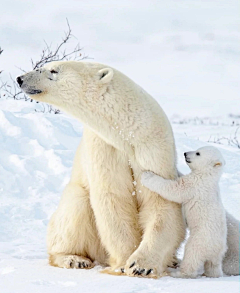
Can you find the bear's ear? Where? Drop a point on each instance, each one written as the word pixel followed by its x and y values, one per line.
pixel 105 75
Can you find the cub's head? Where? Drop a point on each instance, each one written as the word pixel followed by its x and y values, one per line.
pixel 205 159
pixel 66 84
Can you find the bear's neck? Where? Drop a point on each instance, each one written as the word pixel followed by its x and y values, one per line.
pixel 206 174
pixel 105 126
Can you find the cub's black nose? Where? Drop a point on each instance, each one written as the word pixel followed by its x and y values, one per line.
pixel 185 154
pixel 19 80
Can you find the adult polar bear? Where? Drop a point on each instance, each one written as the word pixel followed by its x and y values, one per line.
pixel 125 132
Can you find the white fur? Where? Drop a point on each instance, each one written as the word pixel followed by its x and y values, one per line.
pixel 199 195
pixel 105 214
pixel 231 263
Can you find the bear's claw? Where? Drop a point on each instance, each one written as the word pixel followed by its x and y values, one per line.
pixel 132 265
pixel 77 262
pixel 138 271
pixel 82 265
pixel 149 272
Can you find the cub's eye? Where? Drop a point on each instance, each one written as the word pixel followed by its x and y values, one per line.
pixel 198 154
pixel 53 71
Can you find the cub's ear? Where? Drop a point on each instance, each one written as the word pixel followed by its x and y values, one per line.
pixel 105 75
pixel 218 164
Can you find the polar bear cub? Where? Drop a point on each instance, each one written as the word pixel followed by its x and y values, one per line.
pixel 198 192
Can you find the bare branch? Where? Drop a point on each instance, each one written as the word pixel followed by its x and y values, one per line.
pixel 48 108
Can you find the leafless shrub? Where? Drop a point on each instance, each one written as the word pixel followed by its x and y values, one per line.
pixel 233 120
pixel 11 89
pixel 195 121
pixel 232 140
pixel 234 116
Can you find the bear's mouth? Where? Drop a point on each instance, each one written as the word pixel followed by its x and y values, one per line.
pixel 30 91
pixel 187 160
pixel 33 92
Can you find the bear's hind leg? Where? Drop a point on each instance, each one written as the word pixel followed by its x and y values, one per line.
pixel 193 261
pixel 213 269
pixel 72 239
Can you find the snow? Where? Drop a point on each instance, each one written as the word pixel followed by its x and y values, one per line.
pixel 185 53
pixel 37 150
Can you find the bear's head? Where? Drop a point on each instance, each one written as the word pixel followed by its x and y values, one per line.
pixel 103 99
pixel 66 84
pixel 205 159
pixel 93 93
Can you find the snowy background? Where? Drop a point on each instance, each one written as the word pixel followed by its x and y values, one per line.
pixel 184 53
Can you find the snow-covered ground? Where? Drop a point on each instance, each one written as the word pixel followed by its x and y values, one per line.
pixel 35 162
pixel 185 53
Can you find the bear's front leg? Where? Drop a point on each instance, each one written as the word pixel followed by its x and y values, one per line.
pixel 163 233
pixel 112 200
pixel 161 220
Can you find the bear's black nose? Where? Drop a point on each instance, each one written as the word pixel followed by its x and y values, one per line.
pixel 185 154
pixel 19 80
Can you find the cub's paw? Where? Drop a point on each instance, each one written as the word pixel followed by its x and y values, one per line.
pixel 77 262
pixel 176 274
pixel 179 274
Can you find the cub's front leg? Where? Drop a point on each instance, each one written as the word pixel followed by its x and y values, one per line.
pixel 178 191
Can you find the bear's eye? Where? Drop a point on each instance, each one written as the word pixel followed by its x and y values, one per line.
pixel 53 71
pixel 198 154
